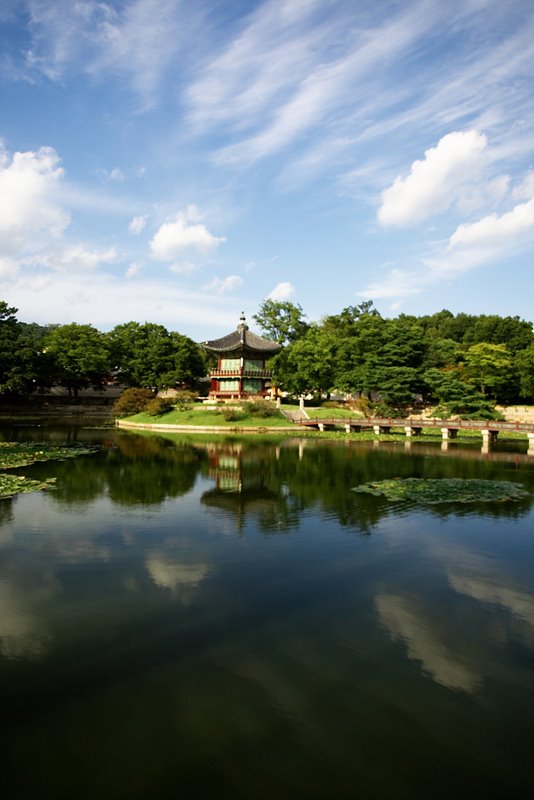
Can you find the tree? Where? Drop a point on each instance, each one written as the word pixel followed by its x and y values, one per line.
pixel 307 365
pixel 81 356
pixel 524 367
pixel 489 365
pixel 148 355
pixel 281 321
pixel 456 396
pixel 18 358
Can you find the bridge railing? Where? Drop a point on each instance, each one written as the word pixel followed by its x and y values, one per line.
pixel 395 422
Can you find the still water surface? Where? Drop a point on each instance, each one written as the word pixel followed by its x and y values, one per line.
pixel 185 618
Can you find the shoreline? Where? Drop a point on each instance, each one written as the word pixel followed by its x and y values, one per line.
pixel 168 428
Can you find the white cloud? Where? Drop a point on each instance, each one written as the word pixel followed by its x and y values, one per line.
pixel 30 213
pixel 224 285
pixel 106 300
pixel 72 258
pixel 184 233
pixel 8 269
pixel 496 231
pixel 282 291
pixel 395 283
pixel 133 270
pixel 137 224
pixel 305 83
pixel 139 40
pixel 525 190
pixel 435 183
pixel 184 267
pixel 115 174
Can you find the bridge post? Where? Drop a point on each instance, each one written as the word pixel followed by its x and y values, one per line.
pixel 378 429
pixel 488 438
pixel 530 451
pixel 412 430
pixel 449 433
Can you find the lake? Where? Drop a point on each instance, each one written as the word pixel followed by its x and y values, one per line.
pixel 226 618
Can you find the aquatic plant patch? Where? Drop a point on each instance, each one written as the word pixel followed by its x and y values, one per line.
pixel 10 485
pixel 444 490
pixel 22 454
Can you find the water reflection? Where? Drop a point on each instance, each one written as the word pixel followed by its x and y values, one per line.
pixel 247 484
pixel 177 576
pixel 147 609
pixel 25 596
pixel 408 622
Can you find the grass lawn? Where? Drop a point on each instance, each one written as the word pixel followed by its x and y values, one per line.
pixel 332 413
pixel 202 416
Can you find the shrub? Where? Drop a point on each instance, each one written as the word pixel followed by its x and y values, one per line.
pixel 184 400
pixel 262 408
pixel 233 413
pixel 361 405
pixel 132 401
pixel 159 405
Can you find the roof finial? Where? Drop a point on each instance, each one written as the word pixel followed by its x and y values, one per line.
pixel 242 323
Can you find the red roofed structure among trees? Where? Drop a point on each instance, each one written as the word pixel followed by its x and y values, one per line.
pixel 241 364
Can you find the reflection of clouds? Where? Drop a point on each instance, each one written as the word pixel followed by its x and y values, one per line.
pixel 22 634
pixel 406 622
pixel 489 590
pixel 170 573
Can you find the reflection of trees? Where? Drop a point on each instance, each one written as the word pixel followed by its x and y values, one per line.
pixel 138 471
pixel 6 510
pixel 275 482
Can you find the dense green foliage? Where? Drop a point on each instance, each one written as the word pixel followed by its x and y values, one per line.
pixel 282 321
pixel 150 355
pixel 132 401
pixel 464 363
pixel 34 357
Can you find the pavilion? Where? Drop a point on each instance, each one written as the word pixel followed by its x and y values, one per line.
pixel 241 370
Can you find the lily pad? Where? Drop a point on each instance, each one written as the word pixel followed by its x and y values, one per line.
pixel 444 490
pixel 10 485
pixel 21 454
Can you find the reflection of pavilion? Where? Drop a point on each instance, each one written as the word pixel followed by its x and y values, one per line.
pixel 241 483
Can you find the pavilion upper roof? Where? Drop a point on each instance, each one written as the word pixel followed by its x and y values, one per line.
pixel 242 339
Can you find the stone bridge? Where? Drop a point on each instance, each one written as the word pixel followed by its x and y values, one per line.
pixel 489 429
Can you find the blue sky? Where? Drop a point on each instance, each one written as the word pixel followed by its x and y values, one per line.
pixel 179 161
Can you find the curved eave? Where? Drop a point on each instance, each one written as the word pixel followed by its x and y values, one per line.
pixel 238 341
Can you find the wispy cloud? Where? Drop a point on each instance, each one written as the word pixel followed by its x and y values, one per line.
pixel 139 40
pixel 137 224
pixel 327 85
pixel 224 285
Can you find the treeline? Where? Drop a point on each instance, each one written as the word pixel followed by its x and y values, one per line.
pixel 34 357
pixel 463 363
